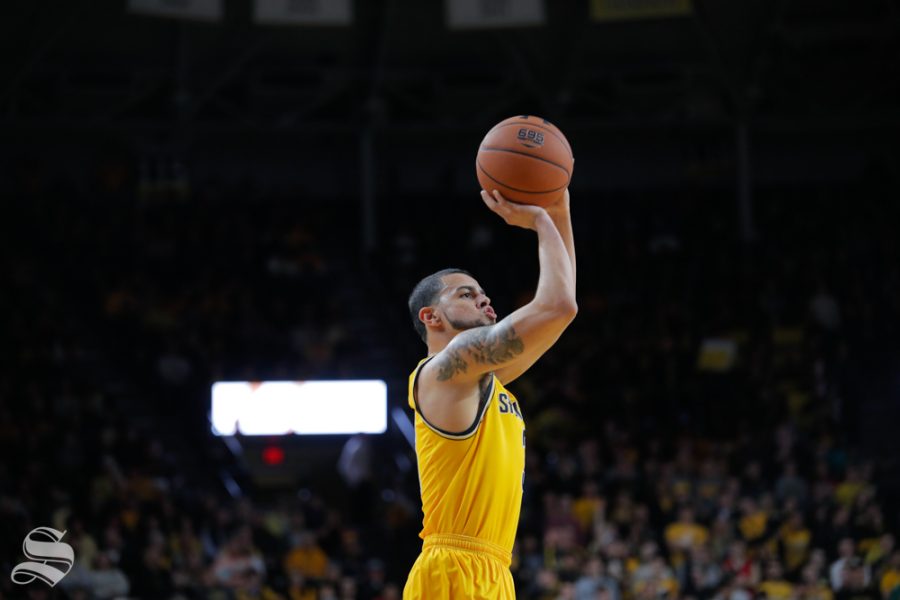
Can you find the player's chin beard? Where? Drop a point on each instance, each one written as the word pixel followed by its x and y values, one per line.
pixel 463 325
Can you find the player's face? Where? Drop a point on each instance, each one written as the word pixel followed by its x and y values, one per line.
pixel 464 304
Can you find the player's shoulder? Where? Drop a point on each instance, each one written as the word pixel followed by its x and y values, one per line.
pixel 445 374
pixel 448 370
pixel 418 368
pixel 452 409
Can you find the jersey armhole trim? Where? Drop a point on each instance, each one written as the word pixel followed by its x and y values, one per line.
pixel 469 431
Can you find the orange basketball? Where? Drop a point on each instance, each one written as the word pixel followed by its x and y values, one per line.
pixel 527 158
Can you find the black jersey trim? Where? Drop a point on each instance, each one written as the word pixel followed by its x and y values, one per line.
pixel 468 432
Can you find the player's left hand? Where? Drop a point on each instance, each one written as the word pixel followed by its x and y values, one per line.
pixel 519 215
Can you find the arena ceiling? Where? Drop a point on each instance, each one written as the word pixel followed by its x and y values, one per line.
pixel 814 85
pixel 399 65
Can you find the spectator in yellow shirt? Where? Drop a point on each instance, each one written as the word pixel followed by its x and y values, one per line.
pixel 890 579
pixel 306 558
pixel 879 552
pixel 812 585
pixel 683 535
pixel 847 490
pixel 795 539
pixel 774 585
pixel 589 505
pixel 754 520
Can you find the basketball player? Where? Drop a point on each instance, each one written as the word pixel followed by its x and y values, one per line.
pixel 470 434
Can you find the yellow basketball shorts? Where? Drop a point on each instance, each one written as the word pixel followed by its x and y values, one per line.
pixel 457 567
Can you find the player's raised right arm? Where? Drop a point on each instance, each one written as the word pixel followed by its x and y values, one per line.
pixel 535 326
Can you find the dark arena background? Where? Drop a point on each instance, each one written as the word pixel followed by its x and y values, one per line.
pixel 203 191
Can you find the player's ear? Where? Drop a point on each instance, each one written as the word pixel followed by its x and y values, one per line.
pixel 429 316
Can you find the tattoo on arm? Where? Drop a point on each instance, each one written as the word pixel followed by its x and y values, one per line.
pixel 486 345
pixel 450 365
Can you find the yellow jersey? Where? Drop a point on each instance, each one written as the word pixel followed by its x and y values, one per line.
pixel 471 481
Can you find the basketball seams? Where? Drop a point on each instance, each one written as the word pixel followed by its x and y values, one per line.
pixel 520 153
pixel 553 151
pixel 492 178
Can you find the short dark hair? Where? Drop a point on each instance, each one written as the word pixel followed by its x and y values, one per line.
pixel 424 294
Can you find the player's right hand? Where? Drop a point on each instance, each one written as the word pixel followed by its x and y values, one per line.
pixel 520 215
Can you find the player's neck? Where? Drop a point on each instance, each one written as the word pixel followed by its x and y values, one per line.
pixel 438 342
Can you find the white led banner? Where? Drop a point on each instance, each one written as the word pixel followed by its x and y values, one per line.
pixel 298 407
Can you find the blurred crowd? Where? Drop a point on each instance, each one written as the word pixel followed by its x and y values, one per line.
pixel 704 430
pixel 143 527
pixel 121 309
pixel 786 517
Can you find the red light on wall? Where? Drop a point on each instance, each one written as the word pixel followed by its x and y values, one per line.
pixel 273 455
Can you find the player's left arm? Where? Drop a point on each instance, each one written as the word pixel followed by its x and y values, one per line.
pixel 562 218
